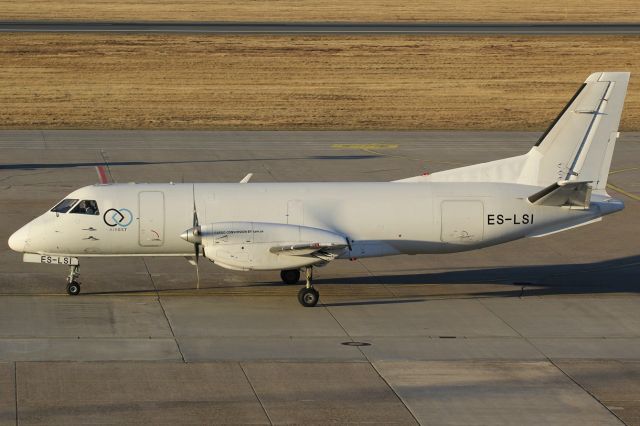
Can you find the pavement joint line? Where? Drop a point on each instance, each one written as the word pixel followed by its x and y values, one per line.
pixel 368 360
pixel 15 388
pixel 372 275
pixel 564 373
pixel 255 393
pixel 340 324
pixel 405 403
pixel 520 335
pixel 164 312
pixel 550 360
pixel 268 170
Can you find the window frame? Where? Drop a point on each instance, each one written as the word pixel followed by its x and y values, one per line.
pixel 95 213
pixel 72 205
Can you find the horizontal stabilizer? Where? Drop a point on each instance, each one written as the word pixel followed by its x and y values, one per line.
pixel 564 193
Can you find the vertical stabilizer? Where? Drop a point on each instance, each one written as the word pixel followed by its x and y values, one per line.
pixel 580 142
pixel 578 145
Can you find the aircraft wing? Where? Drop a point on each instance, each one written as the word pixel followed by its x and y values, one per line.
pixel 564 193
pixel 324 251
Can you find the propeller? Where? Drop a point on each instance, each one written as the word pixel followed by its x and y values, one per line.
pixel 194 236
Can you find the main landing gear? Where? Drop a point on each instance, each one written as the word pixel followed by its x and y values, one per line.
pixel 73 286
pixel 290 276
pixel 308 296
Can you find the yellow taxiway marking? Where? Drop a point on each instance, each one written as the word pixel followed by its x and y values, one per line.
pixel 623 170
pixel 623 192
pixel 364 146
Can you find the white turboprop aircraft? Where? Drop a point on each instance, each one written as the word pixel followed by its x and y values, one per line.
pixel 558 185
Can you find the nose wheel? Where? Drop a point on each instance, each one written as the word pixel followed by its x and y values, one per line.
pixel 308 296
pixel 73 286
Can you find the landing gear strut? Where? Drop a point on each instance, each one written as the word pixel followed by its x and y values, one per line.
pixel 73 286
pixel 308 296
pixel 290 276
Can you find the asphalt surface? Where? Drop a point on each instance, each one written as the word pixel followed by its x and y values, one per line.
pixel 537 331
pixel 317 28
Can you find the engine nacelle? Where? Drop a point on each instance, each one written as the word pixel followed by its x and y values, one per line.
pixel 268 246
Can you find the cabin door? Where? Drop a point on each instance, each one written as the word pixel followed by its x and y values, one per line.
pixel 151 208
pixel 462 221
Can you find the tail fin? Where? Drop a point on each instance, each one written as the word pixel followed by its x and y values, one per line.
pixel 579 143
pixel 577 146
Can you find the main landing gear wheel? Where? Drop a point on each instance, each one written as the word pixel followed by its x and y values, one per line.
pixel 73 288
pixel 308 297
pixel 290 276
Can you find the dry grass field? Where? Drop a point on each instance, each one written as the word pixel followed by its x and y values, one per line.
pixel 302 82
pixel 326 10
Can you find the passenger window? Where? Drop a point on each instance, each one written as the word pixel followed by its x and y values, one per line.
pixel 64 205
pixel 86 207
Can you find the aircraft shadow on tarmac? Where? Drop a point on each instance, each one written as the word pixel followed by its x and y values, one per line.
pixel 609 276
pixel 38 166
pixel 605 277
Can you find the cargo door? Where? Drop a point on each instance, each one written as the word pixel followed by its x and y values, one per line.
pixel 151 208
pixel 462 221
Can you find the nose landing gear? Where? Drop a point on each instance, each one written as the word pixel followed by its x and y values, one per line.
pixel 308 296
pixel 73 286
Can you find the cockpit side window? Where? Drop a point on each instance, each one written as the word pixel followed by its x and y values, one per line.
pixel 89 207
pixel 64 205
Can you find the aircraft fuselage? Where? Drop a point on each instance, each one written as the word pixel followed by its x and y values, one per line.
pixel 377 219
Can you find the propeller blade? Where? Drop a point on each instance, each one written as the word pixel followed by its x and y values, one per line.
pixel 196 232
pixel 197 246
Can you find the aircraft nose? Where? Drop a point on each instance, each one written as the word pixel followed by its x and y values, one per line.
pixel 18 240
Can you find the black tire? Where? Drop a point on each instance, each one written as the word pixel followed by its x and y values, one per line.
pixel 73 288
pixel 290 276
pixel 308 297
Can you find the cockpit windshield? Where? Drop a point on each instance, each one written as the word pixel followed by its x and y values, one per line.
pixel 86 207
pixel 64 205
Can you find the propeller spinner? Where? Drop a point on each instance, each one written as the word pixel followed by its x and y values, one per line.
pixel 192 235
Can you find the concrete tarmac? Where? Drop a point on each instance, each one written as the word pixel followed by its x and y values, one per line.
pixel 319 28
pixel 538 331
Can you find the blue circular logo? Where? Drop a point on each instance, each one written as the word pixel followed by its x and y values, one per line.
pixel 115 217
